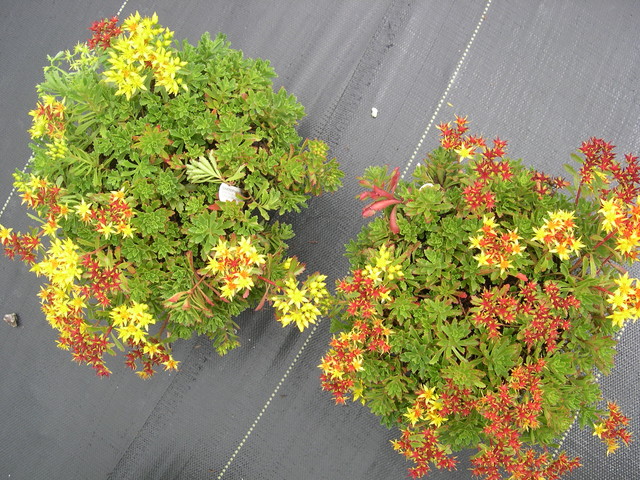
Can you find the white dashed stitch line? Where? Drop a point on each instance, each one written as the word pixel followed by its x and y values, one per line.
pixel 266 405
pixel 295 360
pixel 446 91
pixel 13 190
pixel 121 8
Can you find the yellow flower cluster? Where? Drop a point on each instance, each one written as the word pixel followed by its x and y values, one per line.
pixel 301 306
pixel 624 220
pixel 49 121
pixel 61 297
pixel 382 268
pixel 234 266
pixel 48 118
pixel 612 213
pixel 61 264
pixel 496 248
pixel 59 306
pixel 558 234
pixel 349 360
pixel 114 218
pixel 624 301
pixel 426 408
pixel 146 44
pixel 132 324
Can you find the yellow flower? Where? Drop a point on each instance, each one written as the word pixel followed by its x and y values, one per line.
pixel 295 295
pixel 132 23
pixel 83 210
pixel 611 211
pixel 77 303
pixel 228 289
pixel 151 349
pixel 119 316
pixel 599 429
pixel 395 271
pixel 383 257
pixel 106 229
pixel 627 243
pixel 476 241
pixel 618 317
pixel 171 364
pixel 618 299
pixel 557 234
pixel 483 259
pixel 125 229
pixel 625 284
pixel 5 233
pixel 373 273
pixel 488 224
pixel 427 394
pixel 414 414
pixel 244 280
pixel 50 228
pixel 465 151
pixel 139 315
pixel 435 419
pixel 60 264
pixel 126 332
pixel 562 251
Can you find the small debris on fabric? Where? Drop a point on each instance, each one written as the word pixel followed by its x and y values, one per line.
pixel 374 112
pixel 11 319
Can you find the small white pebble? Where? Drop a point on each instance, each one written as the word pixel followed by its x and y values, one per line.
pixel 427 185
pixel 374 112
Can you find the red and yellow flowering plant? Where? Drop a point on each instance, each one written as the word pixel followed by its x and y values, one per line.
pixel 483 300
pixel 156 172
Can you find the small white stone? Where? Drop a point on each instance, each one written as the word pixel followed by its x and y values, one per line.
pixel 374 112
pixel 427 185
pixel 11 319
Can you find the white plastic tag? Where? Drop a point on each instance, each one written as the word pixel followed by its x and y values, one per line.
pixel 229 193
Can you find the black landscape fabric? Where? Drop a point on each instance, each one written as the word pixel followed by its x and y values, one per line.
pixel 544 75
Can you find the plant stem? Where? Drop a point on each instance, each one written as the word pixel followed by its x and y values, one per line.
pixel 610 235
pixel 163 326
pixel 270 282
pixel 578 193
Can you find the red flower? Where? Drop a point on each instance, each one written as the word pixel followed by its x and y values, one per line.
pixel 103 31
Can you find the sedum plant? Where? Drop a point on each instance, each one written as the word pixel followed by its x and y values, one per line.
pixel 482 302
pixel 158 173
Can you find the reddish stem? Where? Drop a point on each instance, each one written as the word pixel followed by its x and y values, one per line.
pixel 602 289
pixel 578 193
pixel 267 280
pixel 163 326
pixel 610 235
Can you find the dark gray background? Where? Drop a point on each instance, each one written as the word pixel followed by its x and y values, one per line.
pixel 543 75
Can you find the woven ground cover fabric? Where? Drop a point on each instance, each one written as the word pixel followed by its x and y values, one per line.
pixel 543 75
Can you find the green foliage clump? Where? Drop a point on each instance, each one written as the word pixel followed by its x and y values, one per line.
pixel 483 300
pixel 167 164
